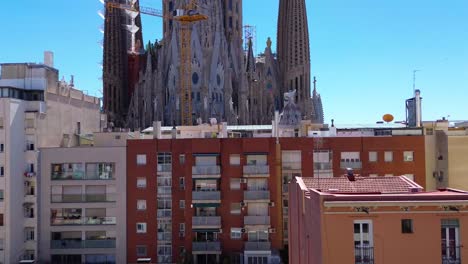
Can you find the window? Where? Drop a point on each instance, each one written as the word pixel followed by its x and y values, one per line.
pixel 410 176
pixel 182 159
pixel 141 205
pixel 2 147
pixel 141 182
pixel 373 175
pixel 141 227
pixel 164 162
pixel 1 195
pixel 1 219
pixel 363 244
pixel 388 156
pixel 2 171
pixel 450 241
pixel 236 233
pixel 408 156
pixel 182 204
pixel 235 208
pixel 372 156
pixel 234 159
pixel 235 183
pixel 182 183
pixel 182 227
pixel 141 251
pixel 141 159
pixel 406 226
pixel 29 233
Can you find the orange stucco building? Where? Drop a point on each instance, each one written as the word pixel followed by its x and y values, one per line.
pixel 380 220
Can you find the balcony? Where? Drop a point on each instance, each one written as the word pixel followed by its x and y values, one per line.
pixel 323 166
pixel 100 220
pixel 291 166
pixel 80 175
pixel 199 222
pixel 351 164
pixel 451 254
pixel 82 198
pixel 256 196
pixel 206 196
pixel 206 247
pixel 164 168
pixel 206 171
pixel 257 246
pixel 364 255
pixel 257 220
pixel 256 171
pixel 77 243
pixel 91 220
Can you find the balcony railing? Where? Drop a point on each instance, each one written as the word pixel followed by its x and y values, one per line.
pixel 451 254
pixel 254 245
pixel 351 164
pixel 256 170
pixel 91 220
pixel 206 246
pixel 77 243
pixel 206 221
pixel 206 195
pixel 256 195
pixel 80 175
pixel 82 198
pixel 206 170
pixel 164 168
pixel 291 165
pixel 256 220
pixel 363 255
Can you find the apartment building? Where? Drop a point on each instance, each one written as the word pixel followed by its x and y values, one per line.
pixel 366 220
pixel 36 110
pixel 83 201
pixel 226 199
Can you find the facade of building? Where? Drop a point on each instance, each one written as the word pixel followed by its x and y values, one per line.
pixel 36 110
pixel 375 220
pixel 228 83
pixel 83 202
pixel 227 198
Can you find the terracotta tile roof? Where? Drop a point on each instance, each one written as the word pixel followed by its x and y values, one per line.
pixel 361 185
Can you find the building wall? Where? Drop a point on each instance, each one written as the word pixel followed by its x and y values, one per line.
pixel 390 245
pixel 116 155
pixel 458 167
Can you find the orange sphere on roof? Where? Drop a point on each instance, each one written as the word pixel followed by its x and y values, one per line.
pixel 387 118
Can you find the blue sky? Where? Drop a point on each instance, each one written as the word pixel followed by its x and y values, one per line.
pixel 363 52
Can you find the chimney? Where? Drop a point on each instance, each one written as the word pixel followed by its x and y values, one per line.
pixel 72 81
pixel 49 58
pixel 157 129
pixel 417 98
pixel 350 174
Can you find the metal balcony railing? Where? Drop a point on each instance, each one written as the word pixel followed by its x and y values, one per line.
pixel 451 254
pixel 323 165
pixel 257 245
pixel 256 195
pixel 256 220
pixel 206 170
pixel 77 220
pixel 291 165
pixel 82 198
pixel 351 164
pixel 206 246
pixel 77 243
pixel 206 195
pixel 164 168
pixel 206 221
pixel 363 255
pixel 256 169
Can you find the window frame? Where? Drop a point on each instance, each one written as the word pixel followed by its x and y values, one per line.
pixel 407 226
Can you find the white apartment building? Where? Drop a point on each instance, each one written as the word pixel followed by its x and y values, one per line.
pixel 36 110
pixel 83 202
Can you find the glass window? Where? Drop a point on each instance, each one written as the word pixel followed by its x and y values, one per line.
pixel 235 208
pixel 388 156
pixel 410 176
pixel 141 159
pixel 141 227
pixel 182 159
pixel 372 156
pixel 236 233
pixel 182 204
pixel 408 156
pixel 99 171
pixel 141 205
pixel 182 183
pixel 234 159
pixel 406 226
pixel 141 251
pixel 141 182
pixel 235 183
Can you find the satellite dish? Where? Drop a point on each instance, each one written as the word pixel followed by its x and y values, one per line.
pixel 387 118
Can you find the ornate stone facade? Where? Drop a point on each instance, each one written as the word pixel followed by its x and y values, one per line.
pixel 228 83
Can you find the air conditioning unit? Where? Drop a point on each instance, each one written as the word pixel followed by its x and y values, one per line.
pixel 243 230
pixel 242 204
pixel 271 204
pixel 272 230
pixel 243 180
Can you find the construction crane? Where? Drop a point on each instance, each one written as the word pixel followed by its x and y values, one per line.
pixel 186 17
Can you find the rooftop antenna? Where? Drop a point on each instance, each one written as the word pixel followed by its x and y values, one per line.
pixel 414 80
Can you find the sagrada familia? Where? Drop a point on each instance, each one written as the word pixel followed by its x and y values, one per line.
pixel 229 82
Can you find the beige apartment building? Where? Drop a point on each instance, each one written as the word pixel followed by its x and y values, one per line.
pixel 446 149
pixel 83 202
pixel 36 110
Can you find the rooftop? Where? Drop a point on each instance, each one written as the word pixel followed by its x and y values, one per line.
pixel 362 185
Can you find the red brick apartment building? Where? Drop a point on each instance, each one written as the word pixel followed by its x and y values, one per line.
pixel 225 200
